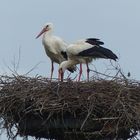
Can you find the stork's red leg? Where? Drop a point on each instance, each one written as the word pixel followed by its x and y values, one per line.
pixel 88 70
pixel 80 73
pixel 52 69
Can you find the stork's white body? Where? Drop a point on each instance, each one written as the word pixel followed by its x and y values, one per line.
pixel 74 49
pixel 54 46
pixel 83 51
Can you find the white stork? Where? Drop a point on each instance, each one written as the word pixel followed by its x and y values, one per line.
pixel 84 51
pixel 54 46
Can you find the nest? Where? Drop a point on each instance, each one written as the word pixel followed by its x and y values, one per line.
pixel 99 109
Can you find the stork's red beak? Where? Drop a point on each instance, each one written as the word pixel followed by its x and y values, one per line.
pixel 61 75
pixel 43 30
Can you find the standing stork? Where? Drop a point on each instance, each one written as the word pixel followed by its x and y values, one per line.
pixel 54 46
pixel 84 51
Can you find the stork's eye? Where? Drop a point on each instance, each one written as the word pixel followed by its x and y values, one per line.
pixel 47 26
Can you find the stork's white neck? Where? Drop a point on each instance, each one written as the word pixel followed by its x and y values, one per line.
pixel 67 64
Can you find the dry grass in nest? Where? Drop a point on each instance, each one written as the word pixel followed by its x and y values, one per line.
pixel 98 109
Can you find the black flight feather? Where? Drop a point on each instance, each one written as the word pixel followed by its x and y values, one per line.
pixel 94 41
pixel 72 70
pixel 64 54
pixel 98 52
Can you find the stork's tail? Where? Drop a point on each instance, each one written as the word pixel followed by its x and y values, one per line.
pixel 105 53
pixel 109 54
pixel 99 52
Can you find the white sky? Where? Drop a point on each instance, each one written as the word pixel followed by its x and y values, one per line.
pixel 117 23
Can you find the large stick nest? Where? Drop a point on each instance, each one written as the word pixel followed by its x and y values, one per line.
pixel 98 109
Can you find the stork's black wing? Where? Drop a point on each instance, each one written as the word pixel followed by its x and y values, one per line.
pixel 64 54
pixel 98 52
pixel 94 41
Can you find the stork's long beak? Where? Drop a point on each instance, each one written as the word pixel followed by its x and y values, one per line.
pixel 61 75
pixel 43 30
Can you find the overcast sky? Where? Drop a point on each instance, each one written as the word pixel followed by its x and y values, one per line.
pixel 117 23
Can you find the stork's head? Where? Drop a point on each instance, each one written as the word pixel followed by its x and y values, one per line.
pixel 62 67
pixel 46 28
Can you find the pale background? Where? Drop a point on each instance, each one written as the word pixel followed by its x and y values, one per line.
pixel 117 23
